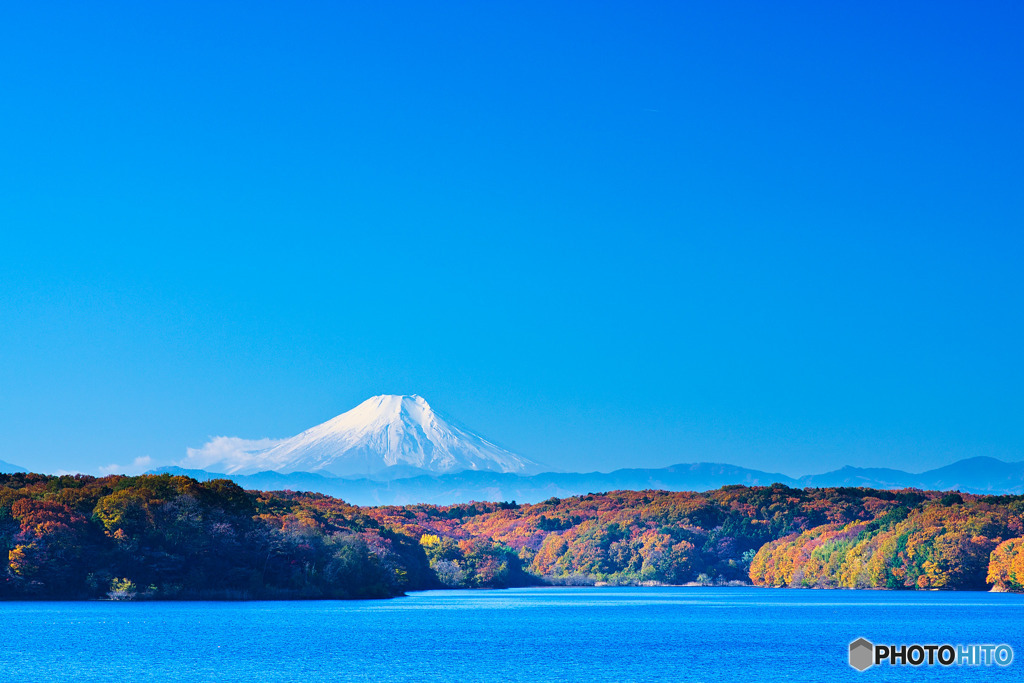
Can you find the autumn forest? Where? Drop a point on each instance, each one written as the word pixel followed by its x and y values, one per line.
pixel 172 537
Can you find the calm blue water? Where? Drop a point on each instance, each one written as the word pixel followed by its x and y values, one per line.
pixel 543 634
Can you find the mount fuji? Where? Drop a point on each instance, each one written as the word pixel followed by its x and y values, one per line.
pixel 385 436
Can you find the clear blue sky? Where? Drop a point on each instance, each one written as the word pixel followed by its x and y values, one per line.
pixel 782 235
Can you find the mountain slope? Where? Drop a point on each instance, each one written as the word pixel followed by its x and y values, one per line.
pixel 976 475
pixel 8 467
pixel 973 475
pixel 384 436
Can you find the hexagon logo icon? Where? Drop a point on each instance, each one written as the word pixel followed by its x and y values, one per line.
pixel 861 654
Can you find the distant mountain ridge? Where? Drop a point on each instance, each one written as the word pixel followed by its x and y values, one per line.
pixel 9 468
pixel 975 475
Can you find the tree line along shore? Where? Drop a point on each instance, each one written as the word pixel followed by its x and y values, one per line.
pixel 176 538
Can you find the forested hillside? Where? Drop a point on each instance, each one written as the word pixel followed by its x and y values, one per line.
pixel 172 537
pixel 772 536
pixel 176 538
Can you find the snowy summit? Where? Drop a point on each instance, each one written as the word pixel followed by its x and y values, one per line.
pixel 382 434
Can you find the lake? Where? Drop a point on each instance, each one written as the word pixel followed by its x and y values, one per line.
pixel 535 634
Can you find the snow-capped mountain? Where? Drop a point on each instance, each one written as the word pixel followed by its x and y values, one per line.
pixel 400 433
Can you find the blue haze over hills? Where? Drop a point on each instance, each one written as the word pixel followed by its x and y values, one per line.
pixel 975 475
